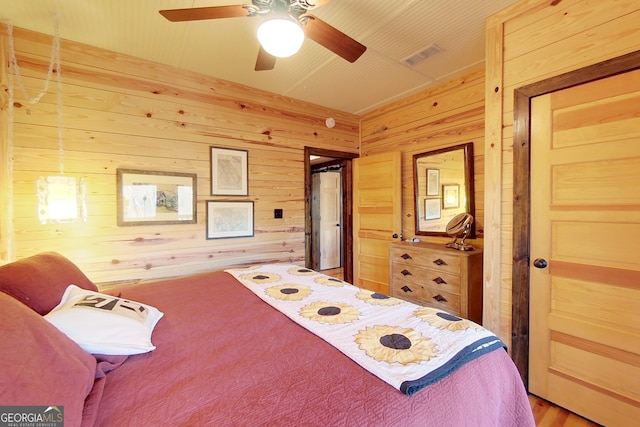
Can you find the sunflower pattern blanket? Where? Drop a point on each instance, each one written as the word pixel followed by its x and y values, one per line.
pixel 404 344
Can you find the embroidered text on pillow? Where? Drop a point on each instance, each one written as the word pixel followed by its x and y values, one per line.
pixel 117 306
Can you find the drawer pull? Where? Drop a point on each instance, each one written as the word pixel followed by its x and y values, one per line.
pixel 405 288
pixel 406 273
pixel 440 298
pixel 439 262
pixel 440 281
pixel 405 256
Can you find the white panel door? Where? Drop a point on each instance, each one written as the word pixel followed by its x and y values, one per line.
pixel 330 218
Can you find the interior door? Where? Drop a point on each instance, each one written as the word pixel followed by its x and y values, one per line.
pixel 584 348
pixel 377 217
pixel 330 220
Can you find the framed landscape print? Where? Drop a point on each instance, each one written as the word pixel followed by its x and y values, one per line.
pixel 229 172
pixel 155 198
pixel 229 219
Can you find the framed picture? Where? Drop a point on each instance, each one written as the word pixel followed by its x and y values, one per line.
pixel 229 172
pixel 229 219
pixel 432 209
pixel 433 182
pixel 450 196
pixel 155 198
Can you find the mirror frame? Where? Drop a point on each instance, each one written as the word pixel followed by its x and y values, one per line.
pixel 467 149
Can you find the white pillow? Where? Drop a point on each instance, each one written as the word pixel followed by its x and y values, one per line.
pixel 103 324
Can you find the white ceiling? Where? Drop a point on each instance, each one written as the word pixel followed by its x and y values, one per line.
pixel 227 48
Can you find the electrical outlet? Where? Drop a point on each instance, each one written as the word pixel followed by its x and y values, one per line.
pixel 277 213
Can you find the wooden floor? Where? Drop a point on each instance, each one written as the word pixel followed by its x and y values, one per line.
pixel 549 415
pixel 334 272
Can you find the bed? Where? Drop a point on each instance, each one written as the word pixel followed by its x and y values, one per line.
pixel 219 354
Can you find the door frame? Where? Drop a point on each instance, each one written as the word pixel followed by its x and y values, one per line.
pixel 522 195
pixel 347 207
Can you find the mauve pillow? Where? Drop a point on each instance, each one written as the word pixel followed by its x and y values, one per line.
pixel 40 366
pixel 39 281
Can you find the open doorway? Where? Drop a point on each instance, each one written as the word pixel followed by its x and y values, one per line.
pixel 333 162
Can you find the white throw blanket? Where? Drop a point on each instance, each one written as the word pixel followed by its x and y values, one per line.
pixel 404 344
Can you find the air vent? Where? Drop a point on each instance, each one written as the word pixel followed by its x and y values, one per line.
pixel 421 55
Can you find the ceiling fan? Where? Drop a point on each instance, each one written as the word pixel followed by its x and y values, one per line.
pixel 292 14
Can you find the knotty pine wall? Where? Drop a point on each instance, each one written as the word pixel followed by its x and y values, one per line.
pixel 447 115
pixel 531 41
pixel 125 112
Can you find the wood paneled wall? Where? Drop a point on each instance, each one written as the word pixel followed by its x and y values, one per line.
pixel 447 115
pixel 124 112
pixel 528 42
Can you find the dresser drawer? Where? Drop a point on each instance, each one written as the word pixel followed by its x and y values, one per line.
pixel 432 260
pixel 427 296
pixel 430 274
pixel 446 282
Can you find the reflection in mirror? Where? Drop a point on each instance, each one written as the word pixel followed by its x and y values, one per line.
pixel 443 186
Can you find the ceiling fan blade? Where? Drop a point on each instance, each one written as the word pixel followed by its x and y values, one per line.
pixel 199 13
pixel 265 60
pixel 332 38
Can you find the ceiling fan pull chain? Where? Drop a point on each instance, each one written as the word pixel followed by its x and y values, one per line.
pixel 305 4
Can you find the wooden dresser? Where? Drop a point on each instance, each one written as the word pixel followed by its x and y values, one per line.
pixel 436 276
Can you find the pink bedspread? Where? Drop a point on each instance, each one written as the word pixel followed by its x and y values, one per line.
pixel 226 358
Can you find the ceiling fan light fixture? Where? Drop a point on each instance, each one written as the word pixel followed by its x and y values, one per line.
pixel 280 37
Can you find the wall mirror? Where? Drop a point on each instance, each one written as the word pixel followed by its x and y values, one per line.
pixel 443 187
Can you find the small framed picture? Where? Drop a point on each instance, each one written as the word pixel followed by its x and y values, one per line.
pixel 450 196
pixel 432 209
pixel 433 182
pixel 229 172
pixel 155 198
pixel 229 219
